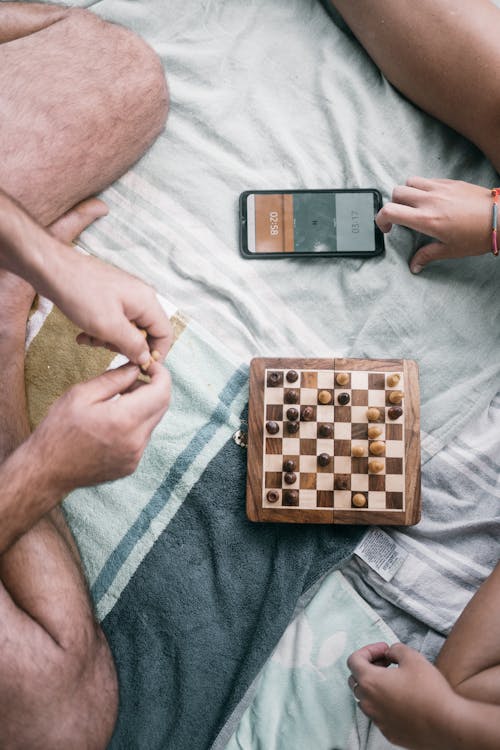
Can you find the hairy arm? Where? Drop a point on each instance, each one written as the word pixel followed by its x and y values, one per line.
pixel 87 437
pixel 100 299
pixel 29 491
pixel 24 244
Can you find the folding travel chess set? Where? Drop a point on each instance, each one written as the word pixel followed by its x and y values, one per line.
pixel 334 441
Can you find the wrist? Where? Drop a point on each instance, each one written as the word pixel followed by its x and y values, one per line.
pixel 26 249
pixel 472 725
pixel 30 489
pixel 53 271
pixel 445 721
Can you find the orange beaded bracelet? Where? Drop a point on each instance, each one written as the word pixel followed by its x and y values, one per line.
pixel 494 221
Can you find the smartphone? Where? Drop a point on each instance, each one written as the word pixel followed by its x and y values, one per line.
pixel 305 223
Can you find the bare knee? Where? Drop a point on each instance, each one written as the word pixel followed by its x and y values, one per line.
pixel 134 70
pixel 98 96
pixel 92 709
pixel 67 698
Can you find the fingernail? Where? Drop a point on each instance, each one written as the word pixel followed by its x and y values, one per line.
pixel 144 358
pixel 416 268
pixel 155 354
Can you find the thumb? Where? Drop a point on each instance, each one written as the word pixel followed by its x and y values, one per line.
pixel 428 253
pixel 128 340
pixel 71 224
pixel 112 382
pixel 400 654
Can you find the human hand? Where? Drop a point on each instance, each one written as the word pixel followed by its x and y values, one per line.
pixel 91 437
pixel 457 214
pixel 108 304
pixel 111 307
pixel 411 705
pixel 67 228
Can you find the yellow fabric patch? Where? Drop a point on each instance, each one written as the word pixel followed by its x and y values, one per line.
pixel 55 362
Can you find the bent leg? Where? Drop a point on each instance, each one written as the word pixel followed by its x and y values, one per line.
pixel 80 101
pixel 443 55
pixel 57 681
pixel 470 658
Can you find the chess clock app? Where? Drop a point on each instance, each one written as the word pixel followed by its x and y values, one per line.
pixel 306 222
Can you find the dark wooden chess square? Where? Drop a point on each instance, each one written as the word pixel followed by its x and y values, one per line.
pixel 393 465
pixel 394 500
pixel 342 413
pixel 324 498
pixel 376 482
pixel 393 431
pixel 308 446
pixel 308 481
pixel 359 465
pixel 309 379
pixel 273 445
pixel 273 479
pixel 342 482
pixel 274 412
pixel 359 397
pixel 376 381
pixel 342 447
pixel 359 431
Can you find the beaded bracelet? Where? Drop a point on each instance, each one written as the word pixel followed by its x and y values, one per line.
pixel 494 221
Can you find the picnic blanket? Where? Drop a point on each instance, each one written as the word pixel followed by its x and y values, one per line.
pixel 193 598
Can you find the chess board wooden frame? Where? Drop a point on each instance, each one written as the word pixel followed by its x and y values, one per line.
pixel 412 506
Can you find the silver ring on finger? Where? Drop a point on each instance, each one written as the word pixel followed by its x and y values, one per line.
pixel 353 685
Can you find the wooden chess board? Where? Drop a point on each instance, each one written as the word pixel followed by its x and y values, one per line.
pixel 334 441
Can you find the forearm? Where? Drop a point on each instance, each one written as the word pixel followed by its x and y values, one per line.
pixel 27 249
pixel 473 646
pixel 28 491
pixel 22 19
pixel 474 726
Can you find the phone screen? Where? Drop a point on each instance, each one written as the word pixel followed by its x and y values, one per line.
pixel 312 222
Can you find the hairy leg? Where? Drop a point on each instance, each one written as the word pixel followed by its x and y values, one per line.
pixel 55 665
pixel 57 682
pixel 470 658
pixel 442 55
pixel 80 101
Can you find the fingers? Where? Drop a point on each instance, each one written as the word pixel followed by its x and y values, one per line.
pixel 398 213
pixel 408 196
pixel 158 328
pixel 129 340
pixel 71 224
pixel 363 658
pixel 405 199
pixel 149 403
pixel 111 383
pixel 401 654
pixel 421 183
pixel 83 339
pixel 428 253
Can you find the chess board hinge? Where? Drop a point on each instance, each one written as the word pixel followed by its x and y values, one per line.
pixel 240 437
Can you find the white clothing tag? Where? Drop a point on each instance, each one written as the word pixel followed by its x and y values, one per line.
pixel 378 550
